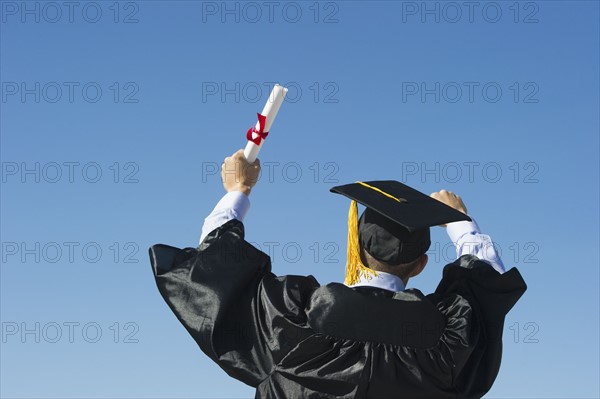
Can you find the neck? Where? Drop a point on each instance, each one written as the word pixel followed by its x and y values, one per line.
pixel 378 266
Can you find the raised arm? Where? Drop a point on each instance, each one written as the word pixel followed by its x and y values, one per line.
pixel 238 176
pixel 223 292
pixel 467 236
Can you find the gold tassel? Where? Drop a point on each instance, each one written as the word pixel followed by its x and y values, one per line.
pixel 355 268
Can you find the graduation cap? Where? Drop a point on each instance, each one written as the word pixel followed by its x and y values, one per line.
pixel 394 228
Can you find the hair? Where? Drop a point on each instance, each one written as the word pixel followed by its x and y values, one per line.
pixel 402 270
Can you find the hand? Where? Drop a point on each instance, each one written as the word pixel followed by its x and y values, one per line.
pixel 238 174
pixel 450 199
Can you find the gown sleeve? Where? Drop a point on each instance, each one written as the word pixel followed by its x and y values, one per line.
pixel 239 313
pixel 490 295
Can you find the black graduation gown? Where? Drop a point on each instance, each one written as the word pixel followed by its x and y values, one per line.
pixel 291 338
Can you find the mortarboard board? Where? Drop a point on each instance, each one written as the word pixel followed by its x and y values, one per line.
pixel 394 228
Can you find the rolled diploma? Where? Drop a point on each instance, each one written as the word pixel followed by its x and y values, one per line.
pixel 270 111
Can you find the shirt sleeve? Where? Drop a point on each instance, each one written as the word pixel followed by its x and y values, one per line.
pixel 468 240
pixel 233 205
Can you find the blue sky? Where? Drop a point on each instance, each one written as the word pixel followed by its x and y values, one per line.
pixel 115 114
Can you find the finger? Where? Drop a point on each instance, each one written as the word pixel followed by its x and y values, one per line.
pixel 238 154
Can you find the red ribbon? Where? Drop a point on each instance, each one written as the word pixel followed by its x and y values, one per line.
pixel 261 135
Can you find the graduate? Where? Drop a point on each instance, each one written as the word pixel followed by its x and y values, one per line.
pixel 371 337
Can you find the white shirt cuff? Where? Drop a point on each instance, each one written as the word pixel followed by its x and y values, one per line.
pixel 237 202
pixel 458 229
pixel 468 239
pixel 233 205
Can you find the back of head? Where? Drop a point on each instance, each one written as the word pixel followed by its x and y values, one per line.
pixel 390 242
pixel 391 247
pixel 394 229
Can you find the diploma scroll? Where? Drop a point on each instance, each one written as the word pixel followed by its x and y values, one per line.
pixel 256 136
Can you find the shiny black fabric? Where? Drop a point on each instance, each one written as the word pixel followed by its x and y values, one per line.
pixel 291 338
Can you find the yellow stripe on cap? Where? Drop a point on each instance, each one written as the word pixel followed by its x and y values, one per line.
pixel 382 192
